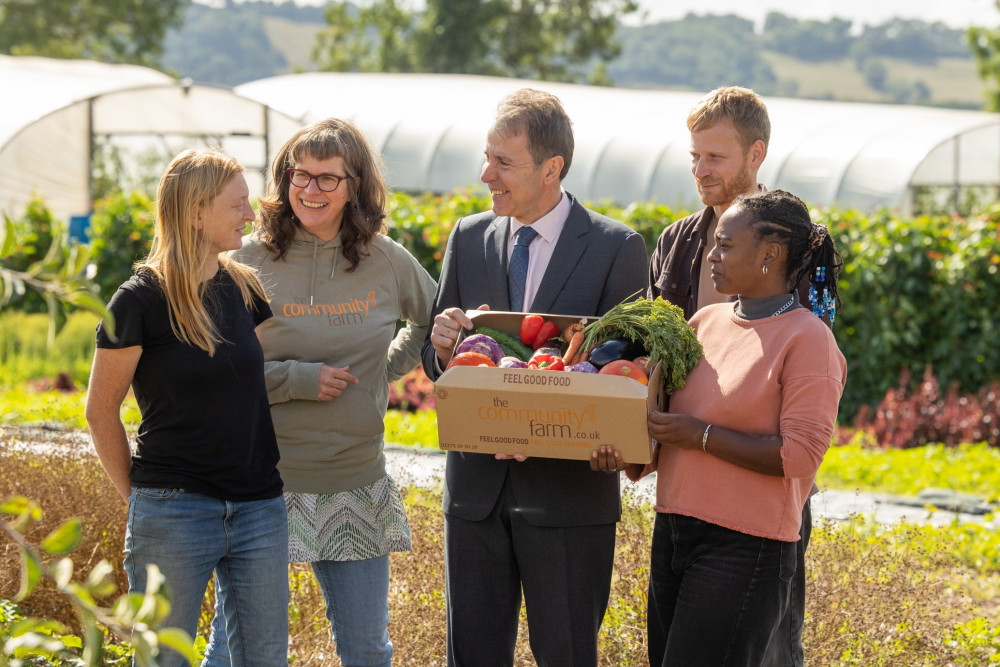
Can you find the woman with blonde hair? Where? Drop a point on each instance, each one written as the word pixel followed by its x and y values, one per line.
pixel 203 490
pixel 339 287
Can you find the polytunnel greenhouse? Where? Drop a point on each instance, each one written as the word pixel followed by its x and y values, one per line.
pixel 633 144
pixel 61 113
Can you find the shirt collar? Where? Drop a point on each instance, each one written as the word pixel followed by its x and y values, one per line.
pixel 549 225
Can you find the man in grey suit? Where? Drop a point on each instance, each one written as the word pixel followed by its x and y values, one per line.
pixel 542 526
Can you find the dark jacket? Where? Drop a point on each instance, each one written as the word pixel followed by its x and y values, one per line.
pixel 676 263
pixel 598 262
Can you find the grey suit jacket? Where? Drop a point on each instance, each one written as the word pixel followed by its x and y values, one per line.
pixel 598 262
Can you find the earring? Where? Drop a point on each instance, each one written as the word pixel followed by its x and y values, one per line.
pixel 763 267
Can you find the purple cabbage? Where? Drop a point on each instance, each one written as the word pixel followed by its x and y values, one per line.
pixel 583 367
pixel 483 344
pixel 512 362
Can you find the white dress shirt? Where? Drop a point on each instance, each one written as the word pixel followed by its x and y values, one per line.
pixel 542 247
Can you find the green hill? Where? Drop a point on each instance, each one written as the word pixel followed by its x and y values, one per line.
pixel 241 42
pixel 951 82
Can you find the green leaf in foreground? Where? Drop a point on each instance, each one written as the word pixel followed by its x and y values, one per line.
pixel 179 641
pixel 31 574
pixel 23 626
pixel 63 539
pixel 26 511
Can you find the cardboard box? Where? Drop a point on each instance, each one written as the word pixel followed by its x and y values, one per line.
pixel 554 414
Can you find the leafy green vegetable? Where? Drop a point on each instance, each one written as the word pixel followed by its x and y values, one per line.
pixel 660 326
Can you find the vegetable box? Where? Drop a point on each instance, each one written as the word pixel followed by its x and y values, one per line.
pixel 554 414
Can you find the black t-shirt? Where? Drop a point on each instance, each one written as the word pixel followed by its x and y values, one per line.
pixel 206 423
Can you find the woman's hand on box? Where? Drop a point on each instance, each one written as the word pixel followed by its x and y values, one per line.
pixel 606 459
pixel 674 429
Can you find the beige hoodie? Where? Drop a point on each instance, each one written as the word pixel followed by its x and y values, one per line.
pixel 324 314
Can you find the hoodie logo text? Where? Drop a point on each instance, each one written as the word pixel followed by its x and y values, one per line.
pixel 352 311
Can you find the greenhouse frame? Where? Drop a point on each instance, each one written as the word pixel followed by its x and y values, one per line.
pixel 631 145
pixel 66 109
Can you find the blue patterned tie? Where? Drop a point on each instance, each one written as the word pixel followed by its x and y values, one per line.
pixel 517 270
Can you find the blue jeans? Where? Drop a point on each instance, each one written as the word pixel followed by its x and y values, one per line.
pixel 189 536
pixel 715 595
pixel 357 606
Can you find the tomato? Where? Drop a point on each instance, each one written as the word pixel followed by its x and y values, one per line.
pixel 629 369
pixel 548 330
pixel 471 359
pixel 530 326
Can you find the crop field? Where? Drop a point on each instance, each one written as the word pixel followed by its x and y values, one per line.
pixel 903 595
pixel 907 595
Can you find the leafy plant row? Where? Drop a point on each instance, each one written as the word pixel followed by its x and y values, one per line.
pixel 916 292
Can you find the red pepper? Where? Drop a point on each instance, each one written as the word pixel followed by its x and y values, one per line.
pixel 547 362
pixel 548 330
pixel 530 326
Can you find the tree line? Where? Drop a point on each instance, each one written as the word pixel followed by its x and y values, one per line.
pixel 677 53
pixel 582 41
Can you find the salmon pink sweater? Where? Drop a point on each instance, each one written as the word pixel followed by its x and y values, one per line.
pixel 777 375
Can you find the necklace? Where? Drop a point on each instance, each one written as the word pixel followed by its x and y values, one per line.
pixel 785 307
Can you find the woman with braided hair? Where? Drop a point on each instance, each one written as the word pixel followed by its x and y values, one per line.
pixel 738 451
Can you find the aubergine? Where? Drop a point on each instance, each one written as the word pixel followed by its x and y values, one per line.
pixel 614 349
pixel 553 349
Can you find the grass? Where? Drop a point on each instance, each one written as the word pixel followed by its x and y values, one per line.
pixel 56 409
pixel 65 410
pixel 876 596
pixel 25 356
pixel 972 468
pixel 898 597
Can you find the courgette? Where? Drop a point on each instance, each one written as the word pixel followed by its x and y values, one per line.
pixel 510 345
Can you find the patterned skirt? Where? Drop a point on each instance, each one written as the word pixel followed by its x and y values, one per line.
pixel 354 525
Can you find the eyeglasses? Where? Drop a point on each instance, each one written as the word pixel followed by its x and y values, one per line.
pixel 325 182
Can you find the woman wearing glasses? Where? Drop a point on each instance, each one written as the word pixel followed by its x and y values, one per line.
pixel 338 287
